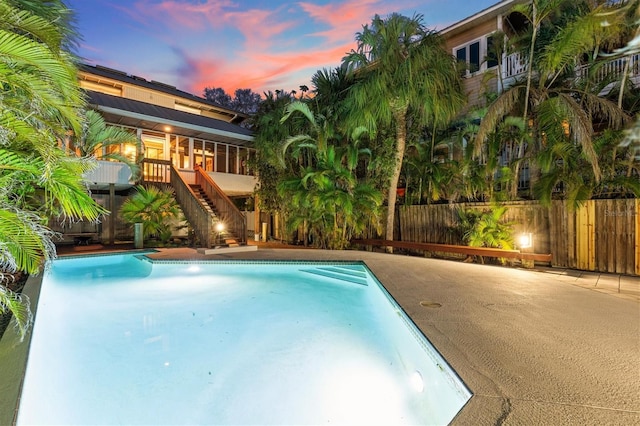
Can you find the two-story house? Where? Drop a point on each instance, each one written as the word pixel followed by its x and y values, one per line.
pixel 473 42
pixel 480 43
pixel 188 142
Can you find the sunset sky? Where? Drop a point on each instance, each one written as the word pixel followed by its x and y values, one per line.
pixel 259 44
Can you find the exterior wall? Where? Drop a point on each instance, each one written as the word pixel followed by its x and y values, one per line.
pixel 476 82
pixel 477 85
pixel 110 172
pixel 145 95
pixel 471 34
pixel 113 86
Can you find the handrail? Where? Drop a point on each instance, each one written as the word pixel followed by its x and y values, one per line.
pixel 156 171
pixel 229 214
pixel 194 211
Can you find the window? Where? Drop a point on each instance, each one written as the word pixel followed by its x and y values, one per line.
pixel 476 55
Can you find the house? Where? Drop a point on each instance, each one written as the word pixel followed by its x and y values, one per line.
pixel 489 68
pixel 188 142
pixel 481 45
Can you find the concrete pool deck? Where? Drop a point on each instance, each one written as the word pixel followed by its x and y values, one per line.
pixel 535 347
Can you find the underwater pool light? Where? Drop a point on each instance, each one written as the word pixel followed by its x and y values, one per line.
pixel 417 382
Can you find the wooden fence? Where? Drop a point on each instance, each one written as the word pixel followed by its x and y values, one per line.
pixel 602 235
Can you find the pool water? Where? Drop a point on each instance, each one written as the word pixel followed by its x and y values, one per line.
pixel 121 339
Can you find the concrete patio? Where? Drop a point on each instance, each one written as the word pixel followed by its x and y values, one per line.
pixel 545 346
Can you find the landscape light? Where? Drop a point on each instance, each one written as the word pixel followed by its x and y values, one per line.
pixel 525 240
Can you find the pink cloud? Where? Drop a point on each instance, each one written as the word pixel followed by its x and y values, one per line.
pixel 256 25
pixel 345 19
pixel 273 70
pixel 259 27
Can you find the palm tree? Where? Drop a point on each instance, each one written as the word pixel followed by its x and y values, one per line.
pixel 40 100
pixel 110 143
pixel 553 100
pixel 268 133
pixel 403 74
pixel 154 208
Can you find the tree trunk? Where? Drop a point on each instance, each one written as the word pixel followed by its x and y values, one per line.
pixel 400 116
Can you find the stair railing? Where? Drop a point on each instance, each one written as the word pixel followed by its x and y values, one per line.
pixel 193 210
pixel 231 217
pixel 155 171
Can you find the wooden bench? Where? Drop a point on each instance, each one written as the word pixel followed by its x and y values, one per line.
pixel 82 238
pixel 449 248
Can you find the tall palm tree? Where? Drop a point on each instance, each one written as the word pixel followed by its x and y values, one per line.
pixel 403 74
pixel 553 100
pixel 40 100
pixel 325 196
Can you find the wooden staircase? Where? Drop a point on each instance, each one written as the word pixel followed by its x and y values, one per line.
pixel 204 205
pixel 220 238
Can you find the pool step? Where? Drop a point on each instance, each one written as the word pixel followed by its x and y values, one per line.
pixel 350 273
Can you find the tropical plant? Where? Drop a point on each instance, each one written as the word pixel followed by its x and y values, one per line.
pixel 326 197
pixel 401 69
pixel 155 209
pixel 485 228
pixel 330 202
pixel 40 100
pixel 557 103
pixel 269 131
pixel 110 143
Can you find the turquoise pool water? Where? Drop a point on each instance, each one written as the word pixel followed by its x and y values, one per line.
pixel 121 339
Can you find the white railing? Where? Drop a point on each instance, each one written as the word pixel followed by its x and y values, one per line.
pixel 613 69
pixel 514 65
pixel 109 172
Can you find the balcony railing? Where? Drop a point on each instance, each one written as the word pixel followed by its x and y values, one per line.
pixel 613 70
pixel 109 172
pixel 515 65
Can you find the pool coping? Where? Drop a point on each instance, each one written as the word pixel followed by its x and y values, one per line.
pixel 14 355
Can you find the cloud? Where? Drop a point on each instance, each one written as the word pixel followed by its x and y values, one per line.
pixel 187 15
pixel 347 18
pixel 261 73
pixel 222 43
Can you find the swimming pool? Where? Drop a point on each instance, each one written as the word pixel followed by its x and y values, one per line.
pixel 122 339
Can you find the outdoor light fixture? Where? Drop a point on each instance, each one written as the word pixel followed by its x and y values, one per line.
pixel 525 240
pixel 417 383
pixel 219 227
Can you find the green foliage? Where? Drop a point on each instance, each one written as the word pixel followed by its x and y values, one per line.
pixel 109 143
pixel 403 76
pixel 18 305
pixel 155 209
pixel 486 228
pixel 40 101
pixel 330 202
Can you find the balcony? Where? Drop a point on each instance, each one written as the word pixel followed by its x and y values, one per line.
pixel 514 65
pixel 107 173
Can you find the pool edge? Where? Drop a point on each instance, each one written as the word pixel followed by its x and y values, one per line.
pixel 13 357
